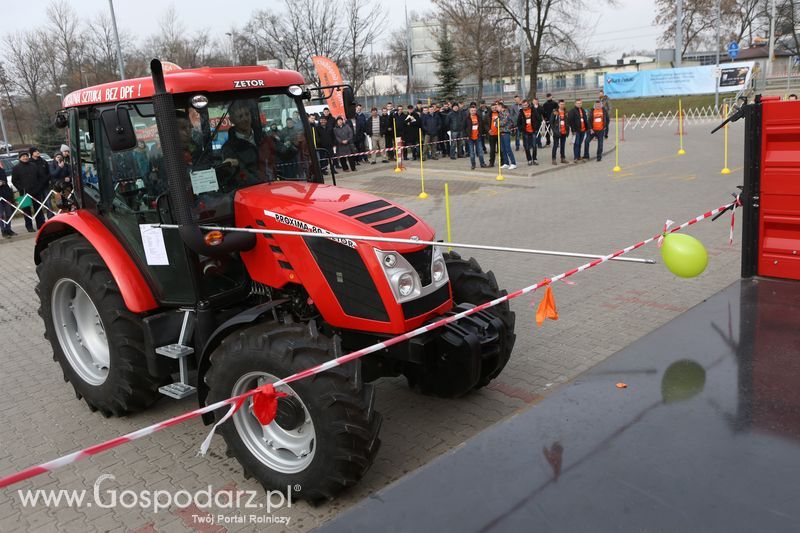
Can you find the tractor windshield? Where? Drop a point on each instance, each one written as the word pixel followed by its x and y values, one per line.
pixel 246 141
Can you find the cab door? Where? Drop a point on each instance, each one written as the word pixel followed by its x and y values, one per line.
pixel 129 185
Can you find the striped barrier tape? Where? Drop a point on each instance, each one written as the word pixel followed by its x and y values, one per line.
pixel 268 391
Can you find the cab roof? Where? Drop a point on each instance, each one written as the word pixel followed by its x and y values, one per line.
pixel 206 79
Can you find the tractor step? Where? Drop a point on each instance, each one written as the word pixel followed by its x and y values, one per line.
pixel 175 351
pixel 177 390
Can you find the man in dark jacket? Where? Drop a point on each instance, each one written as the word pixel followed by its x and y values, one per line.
pixel 7 206
pixel 455 124
pixel 548 107
pixel 443 112
pixel 560 130
pixel 528 123
pixel 31 180
pixel 579 126
pixel 325 138
pixel 360 139
pixel 431 124
pixel 411 132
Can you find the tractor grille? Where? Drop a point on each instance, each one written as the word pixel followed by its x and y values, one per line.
pixel 348 278
pixel 421 261
pixel 381 216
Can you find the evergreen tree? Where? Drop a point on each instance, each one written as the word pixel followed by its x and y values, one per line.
pixel 49 138
pixel 447 71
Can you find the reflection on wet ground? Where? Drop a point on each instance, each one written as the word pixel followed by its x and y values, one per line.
pixel 706 436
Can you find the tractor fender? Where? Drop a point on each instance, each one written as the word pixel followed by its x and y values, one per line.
pixel 246 317
pixel 135 290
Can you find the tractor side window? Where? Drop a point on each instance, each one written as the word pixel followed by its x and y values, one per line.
pixel 89 179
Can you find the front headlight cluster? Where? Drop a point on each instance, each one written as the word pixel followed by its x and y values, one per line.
pixel 404 279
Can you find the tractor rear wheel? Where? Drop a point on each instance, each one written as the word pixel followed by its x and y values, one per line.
pixel 97 342
pixel 325 435
pixel 470 284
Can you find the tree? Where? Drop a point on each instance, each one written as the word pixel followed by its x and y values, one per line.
pixel 447 71
pixel 699 22
pixel 361 32
pixel 547 26
pixel 472 42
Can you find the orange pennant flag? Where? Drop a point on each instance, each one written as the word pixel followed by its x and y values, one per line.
pixel 547 307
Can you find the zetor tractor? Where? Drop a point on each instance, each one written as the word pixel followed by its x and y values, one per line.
pixel 135 311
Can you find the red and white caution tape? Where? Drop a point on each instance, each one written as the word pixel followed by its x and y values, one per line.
pixel 267 396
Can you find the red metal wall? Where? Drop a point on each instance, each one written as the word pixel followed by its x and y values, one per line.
pixel 779 195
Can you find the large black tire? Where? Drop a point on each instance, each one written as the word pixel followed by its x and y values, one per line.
pixel 128 387
pixel 470 284
pixel 338 403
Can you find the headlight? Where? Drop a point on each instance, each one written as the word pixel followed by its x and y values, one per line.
pixel 439 270
pixel 390 260
pixel 405 284
pixel 199 101
pixel 295 90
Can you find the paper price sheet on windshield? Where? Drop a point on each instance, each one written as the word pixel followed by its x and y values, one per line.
pixel 155 251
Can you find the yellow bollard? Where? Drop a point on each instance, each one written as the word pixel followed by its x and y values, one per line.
pixel 616 135
pixel 447 215
pixel 681 151
pixel 397 168
pixel 423 194
pixel 499 154
pixel 725 169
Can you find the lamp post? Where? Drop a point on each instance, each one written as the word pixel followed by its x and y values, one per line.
pixel 716 75
pixel 233 51
pixel 408 56
pixel 679 34
pixel 3 130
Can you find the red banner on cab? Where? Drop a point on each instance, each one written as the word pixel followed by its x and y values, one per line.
pixel 329 74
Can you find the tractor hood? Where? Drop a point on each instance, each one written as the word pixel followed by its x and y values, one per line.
pixel 314 206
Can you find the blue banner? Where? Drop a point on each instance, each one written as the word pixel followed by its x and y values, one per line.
pixel 677 81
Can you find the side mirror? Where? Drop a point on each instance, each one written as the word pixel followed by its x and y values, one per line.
pixel 119 129
pixel 349 102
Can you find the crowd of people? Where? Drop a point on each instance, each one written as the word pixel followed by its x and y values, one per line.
pixel 35 177
pixel 456 129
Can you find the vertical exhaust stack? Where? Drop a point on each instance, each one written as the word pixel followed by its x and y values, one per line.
pixel 180 194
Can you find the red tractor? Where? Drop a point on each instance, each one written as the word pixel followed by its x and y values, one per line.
pixel 135 311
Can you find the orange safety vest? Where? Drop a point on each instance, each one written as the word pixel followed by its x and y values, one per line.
pixel 473 134
pixel 598 124
pixel 528 124
pixel 562 123
pixel 493 129
pixel 583 122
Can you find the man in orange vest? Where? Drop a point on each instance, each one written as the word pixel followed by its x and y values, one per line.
pixel 599 120
pixel 578 121
pixel 560 130
pixel 528 123
pixel 490 124
pixel 473 131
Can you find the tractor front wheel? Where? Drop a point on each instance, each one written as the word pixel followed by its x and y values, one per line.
pixel 325 434
pixel 470 284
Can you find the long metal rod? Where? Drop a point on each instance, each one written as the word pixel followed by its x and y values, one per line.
pixel 120 60
pixel 411 241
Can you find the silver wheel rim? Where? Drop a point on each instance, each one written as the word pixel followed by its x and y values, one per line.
pixel 80 331
pixel 282 450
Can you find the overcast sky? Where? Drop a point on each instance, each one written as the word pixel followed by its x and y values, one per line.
pixel 615 30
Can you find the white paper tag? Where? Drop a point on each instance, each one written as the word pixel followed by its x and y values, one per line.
pixel 155 252
pixel 527 121
pixel 204 181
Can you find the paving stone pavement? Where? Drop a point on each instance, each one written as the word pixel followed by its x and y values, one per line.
pixel 583 207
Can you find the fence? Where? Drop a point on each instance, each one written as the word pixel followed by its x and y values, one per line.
pixel 670 118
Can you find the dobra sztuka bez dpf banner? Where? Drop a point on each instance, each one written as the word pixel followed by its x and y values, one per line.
pixel 677 81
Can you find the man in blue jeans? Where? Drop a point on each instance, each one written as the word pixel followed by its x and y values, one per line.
pixel 599 120
pixel 506 125
pixel 579 125
pixel 474 129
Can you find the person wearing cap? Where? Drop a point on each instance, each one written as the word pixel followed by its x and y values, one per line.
pixel 27 178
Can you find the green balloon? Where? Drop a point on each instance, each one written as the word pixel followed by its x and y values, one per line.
pixel 684 255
